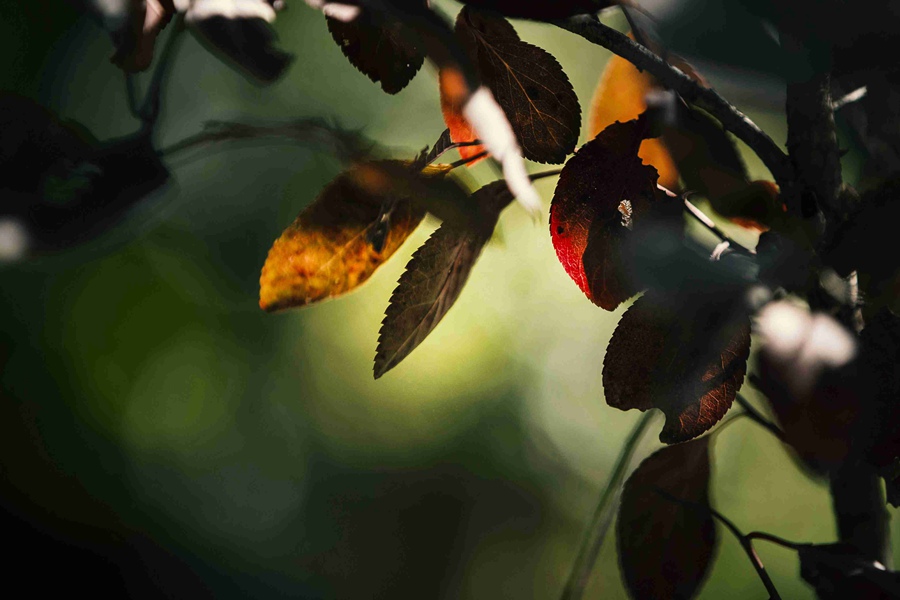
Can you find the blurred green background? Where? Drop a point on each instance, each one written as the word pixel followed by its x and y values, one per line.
pixel 161 435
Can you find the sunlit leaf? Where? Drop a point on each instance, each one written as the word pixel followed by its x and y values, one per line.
pixel 528 83
pixel 666 539
pixel 387 52
pixel 688 364
pixel 621 96
pixel 330 249
pixel 433 280
pixel 603 193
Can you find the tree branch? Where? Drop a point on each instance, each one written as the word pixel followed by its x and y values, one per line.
pixel 733 120
pixel 862 518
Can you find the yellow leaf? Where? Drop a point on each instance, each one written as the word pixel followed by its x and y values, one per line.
pixel 329 249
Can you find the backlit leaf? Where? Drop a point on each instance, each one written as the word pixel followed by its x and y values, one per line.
pixel 621 96
pixel 603 193
pixel 386 52
pixel 689 364
pixel 528 83
pixel 665 537
pixel 329 249
pixel 433 280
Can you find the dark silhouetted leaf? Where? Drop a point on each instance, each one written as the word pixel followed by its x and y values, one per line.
pixel 328 250
pixel 665 537
pixel 603 193
pixel 433 280
pixel 442 144
pixel 386 52
pixel 529 85
pixel 690 365
pixel 839 571
pixel 541 10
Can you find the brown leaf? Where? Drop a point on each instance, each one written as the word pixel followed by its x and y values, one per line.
pixel 604 191
pixel 690 365
pixel 665 537
pixel 328 251
pixel 385 52
pixel 528 83
pixel 433 280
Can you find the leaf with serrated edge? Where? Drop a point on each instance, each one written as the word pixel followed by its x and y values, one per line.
pixel 325 252
pixel 689 365
pixel 528 83
pixel 589 218
pixel 665 538
pixel 433 280
pixel 385 52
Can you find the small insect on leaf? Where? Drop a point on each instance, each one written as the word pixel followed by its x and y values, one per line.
pixel 666 539
pixel 689 365
pixel 335 244
pixel 387 52
pixel 528 83
pixel 434 279
pixel 604 192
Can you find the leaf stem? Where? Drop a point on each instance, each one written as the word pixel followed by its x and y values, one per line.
pixel 710 225
pixel 754 414
pixel 603 514
pixel 733 120
pixel 467 160
pixel 774 539
pixel 744 540
pixel 542 174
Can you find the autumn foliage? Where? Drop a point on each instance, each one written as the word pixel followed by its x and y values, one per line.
pixel 814 287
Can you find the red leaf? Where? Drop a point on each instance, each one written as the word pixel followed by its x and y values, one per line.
pixel 665 537
pixel 603 193
pixel 690 366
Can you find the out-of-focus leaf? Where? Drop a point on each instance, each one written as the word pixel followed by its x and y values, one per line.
pixel 387 52
pixel 839 571
pixel 540 10
pixel 433 280
pixel 328 250
pixel 528 83
pixel 59 185
pixel 604 192
pixel 666 539
pixel 688 364
pixel 621 96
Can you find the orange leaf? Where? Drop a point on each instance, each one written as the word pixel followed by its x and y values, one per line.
pixel 328 250
pixel 620 96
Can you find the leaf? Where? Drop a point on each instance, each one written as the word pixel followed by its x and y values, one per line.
pixel 327 250
pixel 442 144
pixel 666 539
pixel 689 365
pixel 621 96
pixel 433 280
pixel 542 10
pixel 386 52
pixel 528 83
pixel 603 193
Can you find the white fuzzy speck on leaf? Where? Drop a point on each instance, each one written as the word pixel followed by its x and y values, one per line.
pixel 336 10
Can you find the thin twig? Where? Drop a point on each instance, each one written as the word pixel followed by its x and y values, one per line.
pixel 469 159
pixel 744 540
pixel 703 219
pixel 603 514
pixel 453 146
pixel 542 174
pixel 774 539
pixel 733 120
pixel 759 418
pixel 149 112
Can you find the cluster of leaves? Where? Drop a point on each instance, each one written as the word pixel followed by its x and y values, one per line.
pixel 617 224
